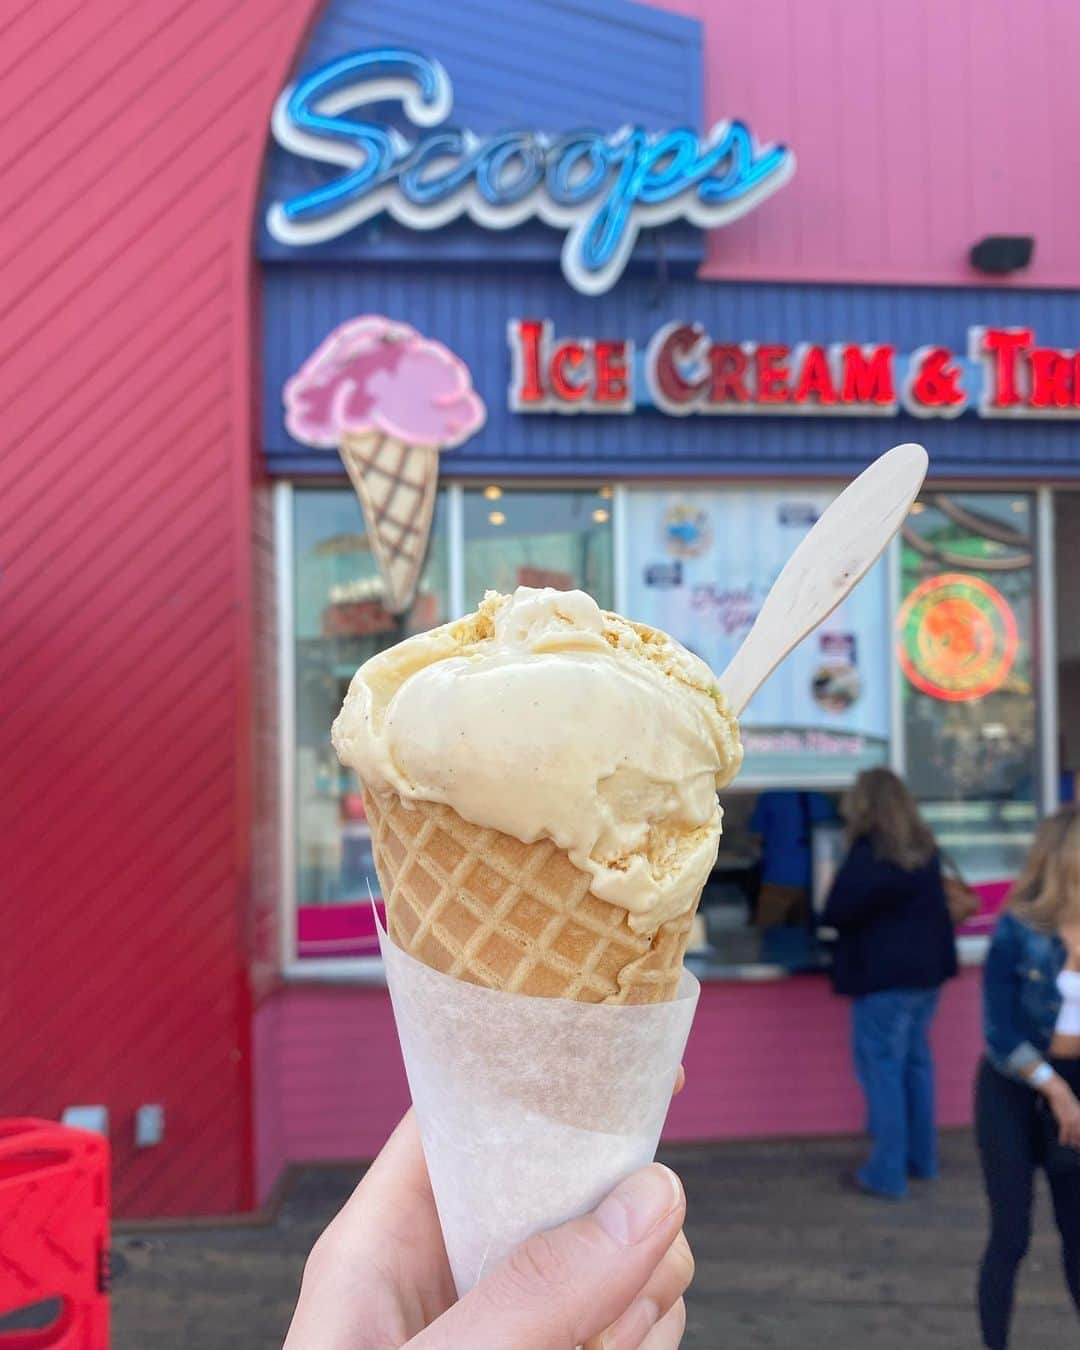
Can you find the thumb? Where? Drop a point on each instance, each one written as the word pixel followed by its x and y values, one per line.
pixel 563 1286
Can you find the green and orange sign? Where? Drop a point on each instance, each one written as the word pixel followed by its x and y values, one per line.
pixel 956 637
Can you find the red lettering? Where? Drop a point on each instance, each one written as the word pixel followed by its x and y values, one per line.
pixel 1052 383
pixel 568 354
pixel 611 374
pixel 815 379
pixel 868 379
pixel 727 369
pixel 529 338
pixel 680 342
pixel 935 379
pixel 1003 345
pixel 771 374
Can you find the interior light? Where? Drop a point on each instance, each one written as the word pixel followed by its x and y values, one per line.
pixel 600 515
pixel 606 492
pixel 917 507
pixel 492 492
pixel 497 518
pixel 1018 505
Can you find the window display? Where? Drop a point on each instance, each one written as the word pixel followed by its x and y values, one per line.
pixel 965 645
pixel 510 538
pixel 697 563
pixel 700 564
pixel 340 623
pixel 542 538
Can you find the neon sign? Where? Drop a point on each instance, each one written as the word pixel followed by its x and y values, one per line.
pixel 683 371
pixel 602 189
pixel 956 637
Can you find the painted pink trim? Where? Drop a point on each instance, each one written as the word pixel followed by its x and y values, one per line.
pixel 764 1060
pixel 918 128
pixel 338 930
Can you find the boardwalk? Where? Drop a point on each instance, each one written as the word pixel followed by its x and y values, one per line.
pixel 785 1262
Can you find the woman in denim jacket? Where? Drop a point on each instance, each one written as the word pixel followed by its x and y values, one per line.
pixel 1027 1112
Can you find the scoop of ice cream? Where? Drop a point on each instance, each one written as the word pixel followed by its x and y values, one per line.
pixel 545 717
pixel 372 374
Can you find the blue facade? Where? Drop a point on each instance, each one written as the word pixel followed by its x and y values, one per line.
pixel 545 65
pixel 468 309
pixel 557 65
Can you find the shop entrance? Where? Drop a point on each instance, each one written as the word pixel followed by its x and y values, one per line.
pixel 777 856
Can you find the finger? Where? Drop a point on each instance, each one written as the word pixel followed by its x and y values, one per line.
pixel 662 1290
pixel 385 1237
pixel 561 1287
pixel 668 1332
pixel 680 1081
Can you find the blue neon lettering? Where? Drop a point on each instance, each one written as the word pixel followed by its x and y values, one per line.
pixel 745 168
pixel 567 183
pixel 601 189
pixel 371 140
pixel 494 170
pixel 427 190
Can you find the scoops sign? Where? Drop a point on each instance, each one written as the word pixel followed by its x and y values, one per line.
pixel 684 371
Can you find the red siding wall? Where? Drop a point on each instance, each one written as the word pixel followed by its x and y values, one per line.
pixel 266 822
pixel 763 1059
pixel 133 135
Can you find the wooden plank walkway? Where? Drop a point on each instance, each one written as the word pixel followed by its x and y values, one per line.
pixel 786 1261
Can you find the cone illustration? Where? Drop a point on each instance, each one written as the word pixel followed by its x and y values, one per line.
pixel 396 484
pixel 484 907
pixel 389 401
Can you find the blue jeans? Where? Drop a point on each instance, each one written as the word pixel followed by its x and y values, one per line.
pixel 894 1065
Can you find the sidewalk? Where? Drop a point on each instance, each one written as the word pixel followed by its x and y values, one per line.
pixel 785 1261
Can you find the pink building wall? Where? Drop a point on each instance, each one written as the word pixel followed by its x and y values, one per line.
pixel 918 126
pixel 768 1059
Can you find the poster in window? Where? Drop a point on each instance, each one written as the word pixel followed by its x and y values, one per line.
pixel 700 565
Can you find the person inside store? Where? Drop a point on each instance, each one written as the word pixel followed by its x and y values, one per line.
pixel 893 951
pixel 1027 1097
pixel 784 821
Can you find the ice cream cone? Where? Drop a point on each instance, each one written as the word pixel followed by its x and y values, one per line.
pixel 480 905
pixel 396 484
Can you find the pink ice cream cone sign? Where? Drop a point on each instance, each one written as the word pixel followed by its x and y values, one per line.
pixel 389 400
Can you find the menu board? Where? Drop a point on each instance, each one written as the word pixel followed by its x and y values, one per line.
pixel 700 563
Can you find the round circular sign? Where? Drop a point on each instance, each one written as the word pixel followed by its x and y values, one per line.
pixel 957 637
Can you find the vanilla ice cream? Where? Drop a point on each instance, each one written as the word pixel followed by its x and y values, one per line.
pixel 543 716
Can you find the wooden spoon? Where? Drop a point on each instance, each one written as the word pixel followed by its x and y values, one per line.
pixel 844 544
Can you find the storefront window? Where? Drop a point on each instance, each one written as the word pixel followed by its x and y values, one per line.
pixel 964 642
pixel 340 623
pixel 542 538
pixel 701 562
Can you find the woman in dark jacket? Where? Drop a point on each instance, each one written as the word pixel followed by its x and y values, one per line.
pixel 894 950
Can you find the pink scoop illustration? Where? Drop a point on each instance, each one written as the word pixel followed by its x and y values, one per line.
pixel 389 400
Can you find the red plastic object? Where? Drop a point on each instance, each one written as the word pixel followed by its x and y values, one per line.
pixel 54 1233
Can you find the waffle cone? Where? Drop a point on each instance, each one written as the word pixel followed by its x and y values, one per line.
pixel 484 907
pixel 396 483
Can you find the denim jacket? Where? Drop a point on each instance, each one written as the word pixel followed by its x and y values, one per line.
pixel 1021 1001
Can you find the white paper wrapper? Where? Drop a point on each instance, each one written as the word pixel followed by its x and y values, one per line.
pixel 530 1109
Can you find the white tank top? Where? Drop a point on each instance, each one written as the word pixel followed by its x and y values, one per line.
pixel 1068 1022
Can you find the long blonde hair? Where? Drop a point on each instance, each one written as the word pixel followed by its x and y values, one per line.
pixel 1047 891
pixel 879 808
